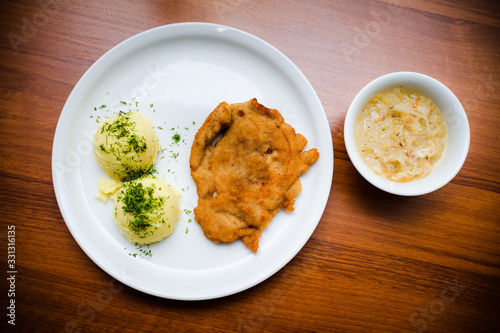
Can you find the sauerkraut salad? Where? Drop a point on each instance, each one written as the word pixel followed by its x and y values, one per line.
pixel 401 135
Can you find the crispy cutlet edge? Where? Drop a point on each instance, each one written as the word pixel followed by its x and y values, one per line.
pixel 217 120
pixel 299 165
pixel 308 158
pixel 252 241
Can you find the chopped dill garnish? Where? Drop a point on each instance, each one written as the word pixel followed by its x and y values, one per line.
pixel 176 137
pixel 136 174
pixel 143 252
pixel 142 204
pixel 137 143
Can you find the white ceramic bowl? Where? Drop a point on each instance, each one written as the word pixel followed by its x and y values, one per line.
pixel 454 116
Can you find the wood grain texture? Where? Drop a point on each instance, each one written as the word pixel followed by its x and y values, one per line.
pixel 375 263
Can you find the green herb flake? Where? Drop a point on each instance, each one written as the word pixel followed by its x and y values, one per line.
pixel 142 252
pixel 176 137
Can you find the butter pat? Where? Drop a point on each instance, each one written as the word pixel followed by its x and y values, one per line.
pixel 105 188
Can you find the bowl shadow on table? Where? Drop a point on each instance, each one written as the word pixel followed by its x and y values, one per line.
pixel 380 205
pixel 370 200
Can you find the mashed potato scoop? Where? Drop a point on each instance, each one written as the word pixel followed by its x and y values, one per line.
pixel 126 145
pixel 146 210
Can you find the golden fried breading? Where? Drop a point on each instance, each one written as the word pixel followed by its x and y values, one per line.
pixel 246 162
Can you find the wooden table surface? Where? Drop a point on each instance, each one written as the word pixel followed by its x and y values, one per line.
pixel 375 263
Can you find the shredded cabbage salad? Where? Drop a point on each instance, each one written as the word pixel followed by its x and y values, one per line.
pixel 401 135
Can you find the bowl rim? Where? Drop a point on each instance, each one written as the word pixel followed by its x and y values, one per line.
pixel 455 118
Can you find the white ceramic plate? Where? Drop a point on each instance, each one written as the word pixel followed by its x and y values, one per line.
pixel 176 75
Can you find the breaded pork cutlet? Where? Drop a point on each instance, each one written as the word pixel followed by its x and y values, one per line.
pixel 246 162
